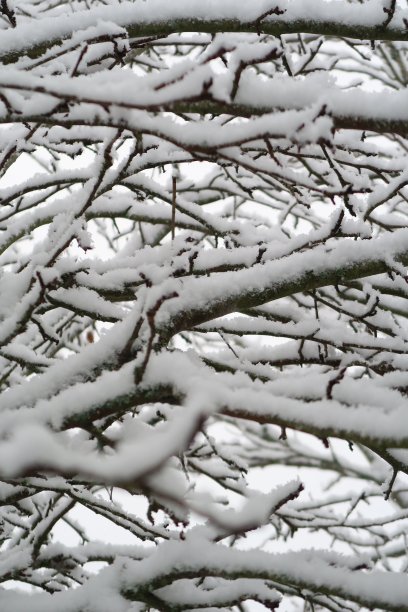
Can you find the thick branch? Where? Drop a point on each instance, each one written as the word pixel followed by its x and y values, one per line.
pixel 354 109
pixel 237 291
pixel 152 17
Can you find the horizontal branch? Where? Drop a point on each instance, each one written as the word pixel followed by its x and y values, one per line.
pixel 313 97
pixel 153 17
pixel 328 573
pixel 323 421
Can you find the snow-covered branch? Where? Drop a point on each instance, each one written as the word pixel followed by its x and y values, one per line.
pixel 372 21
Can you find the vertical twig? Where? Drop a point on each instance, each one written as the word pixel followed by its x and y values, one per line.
pixel 175 175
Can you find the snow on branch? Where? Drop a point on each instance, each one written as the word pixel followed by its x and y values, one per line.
pixel 371 21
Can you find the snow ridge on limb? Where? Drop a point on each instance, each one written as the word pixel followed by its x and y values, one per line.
pixel 155 17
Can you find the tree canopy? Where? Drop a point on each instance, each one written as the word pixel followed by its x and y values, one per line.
pixel 203 304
